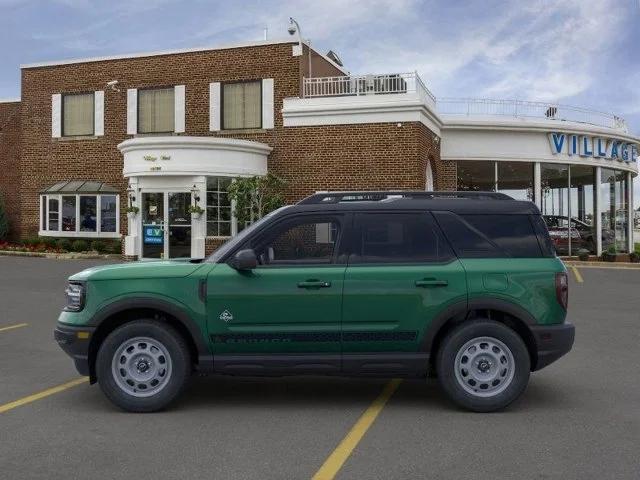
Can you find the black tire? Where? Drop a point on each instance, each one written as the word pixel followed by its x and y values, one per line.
pixel 452 383
pixel 179 361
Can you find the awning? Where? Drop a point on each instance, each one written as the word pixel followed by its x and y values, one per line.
pixel 80 186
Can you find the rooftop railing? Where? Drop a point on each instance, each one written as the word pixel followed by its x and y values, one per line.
pixel 411 83
pixel 525 109
pixel 357 85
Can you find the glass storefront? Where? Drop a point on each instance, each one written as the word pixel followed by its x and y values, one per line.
pixel 570 198
pixel 614 210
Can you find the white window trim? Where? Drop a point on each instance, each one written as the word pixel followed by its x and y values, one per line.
pixel 44 198
pixel 57 112
pixel 233 220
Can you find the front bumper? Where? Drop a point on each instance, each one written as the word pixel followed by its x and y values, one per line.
pixel 75 342
pixel 552 342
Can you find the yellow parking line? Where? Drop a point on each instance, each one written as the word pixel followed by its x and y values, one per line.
pixel 334 463
pixel 577 274
pixel 11 327
pixel 45 393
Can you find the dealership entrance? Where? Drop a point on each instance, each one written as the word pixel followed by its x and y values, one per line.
pixel 166 225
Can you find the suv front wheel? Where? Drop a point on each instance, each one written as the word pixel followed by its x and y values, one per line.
pixel 483 365
pixel 143 366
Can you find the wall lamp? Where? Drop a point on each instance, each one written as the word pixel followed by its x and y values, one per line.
pixel 196 193
pixel 132 196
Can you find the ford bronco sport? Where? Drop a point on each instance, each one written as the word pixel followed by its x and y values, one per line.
pixel 462 285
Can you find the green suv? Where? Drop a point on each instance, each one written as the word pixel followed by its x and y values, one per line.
pixel 464 286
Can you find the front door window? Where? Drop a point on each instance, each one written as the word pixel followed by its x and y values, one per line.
pixel 166 225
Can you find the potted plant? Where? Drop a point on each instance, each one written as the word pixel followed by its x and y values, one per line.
pixel 196 211
pixel 132 211
pixel 583 255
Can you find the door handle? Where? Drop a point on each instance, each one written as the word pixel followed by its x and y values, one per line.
pixel 431 282
pixel 311 284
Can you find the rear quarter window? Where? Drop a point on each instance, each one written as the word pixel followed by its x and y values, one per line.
pixel 490 235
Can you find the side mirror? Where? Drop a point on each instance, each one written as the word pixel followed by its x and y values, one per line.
pixel 244 260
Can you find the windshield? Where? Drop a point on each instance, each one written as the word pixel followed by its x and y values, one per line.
pixel 233 242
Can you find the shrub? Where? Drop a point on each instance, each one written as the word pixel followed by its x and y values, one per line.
pixel 31 241
pixel 48 242
pixel 634 257
pixel 98 246
pixel 583 254
pixel 79 246
pixel 4 221
pixel 115 247
pixel 64 244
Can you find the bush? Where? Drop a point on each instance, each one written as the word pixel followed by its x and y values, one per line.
pixel 64 244
pixel 583 254
pixel 49 242
pixel 634 257
pixel 4 221
pixel 79 246
pixel 115 247
pixel 98 246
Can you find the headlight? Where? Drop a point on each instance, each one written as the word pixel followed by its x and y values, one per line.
pixel 75 297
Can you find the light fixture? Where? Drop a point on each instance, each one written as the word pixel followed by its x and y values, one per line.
pixel 132 197
pixel 196 193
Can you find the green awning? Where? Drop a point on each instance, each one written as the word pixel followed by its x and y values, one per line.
pixel 80 186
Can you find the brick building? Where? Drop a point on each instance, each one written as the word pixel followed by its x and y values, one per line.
pixel 161 131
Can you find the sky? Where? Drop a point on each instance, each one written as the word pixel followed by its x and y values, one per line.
pixel 576 52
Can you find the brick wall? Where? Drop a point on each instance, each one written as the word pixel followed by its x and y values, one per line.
pixel 9 163
pixel 370 156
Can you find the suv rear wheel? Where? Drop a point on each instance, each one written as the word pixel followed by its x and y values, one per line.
pixel 143 366
pixel 483 365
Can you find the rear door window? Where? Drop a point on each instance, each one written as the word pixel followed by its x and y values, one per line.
pixel 490 236
pixel 398 238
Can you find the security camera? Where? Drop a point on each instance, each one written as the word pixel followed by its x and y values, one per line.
pixel 112 85
pixel 291 29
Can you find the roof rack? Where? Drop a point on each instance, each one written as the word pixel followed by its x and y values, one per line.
pixel 381 195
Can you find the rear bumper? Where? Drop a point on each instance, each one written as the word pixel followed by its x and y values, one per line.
pixel 75 343
pixel 552 342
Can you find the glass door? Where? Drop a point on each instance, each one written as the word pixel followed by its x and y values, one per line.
pixel 153 222
pixel 179 221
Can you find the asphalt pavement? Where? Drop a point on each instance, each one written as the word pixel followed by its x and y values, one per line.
pixel 578 419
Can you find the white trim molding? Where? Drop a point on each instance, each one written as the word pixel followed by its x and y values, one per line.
pixel 132 111
pixel 391 108
pixel 184 155
pixel 56 115
pixel 268 100
pixel 179 108
pixel 98 112
pixel 214 107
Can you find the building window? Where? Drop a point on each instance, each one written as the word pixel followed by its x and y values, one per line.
pixel 242 105
pixel 516 180
pixel 79 216
pixel 614 210
pixel 476 176
pixel 156 110
pixel 219 222
pixel 78 114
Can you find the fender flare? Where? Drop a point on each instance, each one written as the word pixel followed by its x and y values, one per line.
pixel 153 303
pixel 461 310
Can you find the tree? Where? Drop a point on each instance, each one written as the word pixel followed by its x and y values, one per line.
pixel 4 221
pixel 254 197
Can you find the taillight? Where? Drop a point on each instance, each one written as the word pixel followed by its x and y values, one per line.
pixel 562 289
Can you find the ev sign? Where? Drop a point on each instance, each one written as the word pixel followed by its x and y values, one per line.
pixel 590 146
pixel 153 235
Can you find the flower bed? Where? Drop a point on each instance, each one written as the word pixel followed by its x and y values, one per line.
pixel 61 246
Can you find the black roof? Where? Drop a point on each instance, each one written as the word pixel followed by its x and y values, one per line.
pixel 457 202
pixel 80 186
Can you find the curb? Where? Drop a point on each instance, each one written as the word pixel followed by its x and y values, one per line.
pixel 614 265
pixel 61 256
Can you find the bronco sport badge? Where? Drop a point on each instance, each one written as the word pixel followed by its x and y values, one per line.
pixel 226 316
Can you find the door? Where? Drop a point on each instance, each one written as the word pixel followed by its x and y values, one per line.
pixel 291 303
pixel 153 225
pixel 401 274
pixel 166 225
pixel 179 222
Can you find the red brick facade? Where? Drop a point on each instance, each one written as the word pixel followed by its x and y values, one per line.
pixel 9 162
pixel 340 157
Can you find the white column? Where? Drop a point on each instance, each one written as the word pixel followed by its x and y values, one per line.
pixel 132 244
pixel 199 226
pixel 630 210
pixel 537 184
pixel 598 211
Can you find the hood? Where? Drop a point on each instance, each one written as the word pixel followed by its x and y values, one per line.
pixel 139 270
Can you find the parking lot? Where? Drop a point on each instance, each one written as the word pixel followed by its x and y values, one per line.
pixel 579 418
